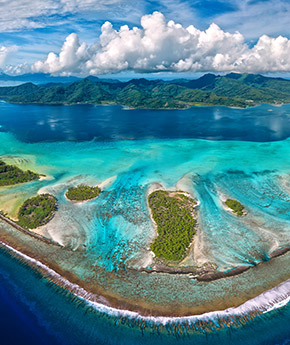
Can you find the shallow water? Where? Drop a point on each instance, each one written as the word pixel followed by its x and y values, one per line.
pixel 114 230
pixel 120 215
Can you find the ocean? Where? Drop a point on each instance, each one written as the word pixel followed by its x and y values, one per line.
pixel 207 151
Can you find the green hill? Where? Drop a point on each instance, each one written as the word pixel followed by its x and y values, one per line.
pixel 245 87
pixel 236 90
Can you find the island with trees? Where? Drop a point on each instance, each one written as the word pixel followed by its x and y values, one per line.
pixel 37 211
pixel 236 207
pixel 232 90
pixel 10 175
pixel 174 215
pixel 82 193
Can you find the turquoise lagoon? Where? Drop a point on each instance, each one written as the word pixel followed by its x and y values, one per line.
pixel 106 241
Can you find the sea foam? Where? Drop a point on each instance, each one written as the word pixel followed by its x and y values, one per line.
pixel 266 302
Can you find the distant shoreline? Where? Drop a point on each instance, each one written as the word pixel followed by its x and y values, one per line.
pixel 126 107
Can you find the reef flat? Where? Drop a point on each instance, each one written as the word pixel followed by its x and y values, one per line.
pixel 104 244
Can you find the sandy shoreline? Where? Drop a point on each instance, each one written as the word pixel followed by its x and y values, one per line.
pixel 103 185
pixel 205 273
pixel 28 232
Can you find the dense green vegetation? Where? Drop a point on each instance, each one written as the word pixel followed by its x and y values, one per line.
pixel 82 193
pixel 234 89
pixel 140 93
pixel 37 211
pixel 173 214
pixel 246 87
pixel 10 174
pixel 235 206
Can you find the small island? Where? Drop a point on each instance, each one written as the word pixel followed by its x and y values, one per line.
pixel 37 211
pixel 236 207
pixel 174 215
pixel 10 175
pixel 82 193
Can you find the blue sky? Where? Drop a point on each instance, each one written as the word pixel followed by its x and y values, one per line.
pixel 30 29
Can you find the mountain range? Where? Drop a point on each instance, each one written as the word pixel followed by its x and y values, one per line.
pixel 234 89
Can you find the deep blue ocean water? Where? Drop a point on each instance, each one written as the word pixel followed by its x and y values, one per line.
pixel 34 123
pixel 34 311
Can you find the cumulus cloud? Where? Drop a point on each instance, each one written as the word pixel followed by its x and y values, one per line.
pixel 5 52
pixel 158 45
pixel 72 58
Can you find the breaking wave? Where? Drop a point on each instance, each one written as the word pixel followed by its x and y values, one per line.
pixel 266 302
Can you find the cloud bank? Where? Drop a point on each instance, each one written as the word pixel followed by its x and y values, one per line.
pixel 159 45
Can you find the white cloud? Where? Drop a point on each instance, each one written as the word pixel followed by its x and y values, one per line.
pixel 255 18
pixel 5 52
pixel 72 57
pixel 159 45
pixel 31 14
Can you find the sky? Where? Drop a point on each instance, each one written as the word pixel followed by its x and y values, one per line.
pixel 173 37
